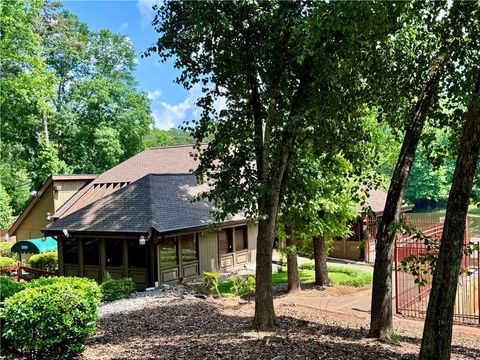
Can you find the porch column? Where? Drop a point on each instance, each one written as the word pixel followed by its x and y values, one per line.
pixel 60 256
pixel 103 259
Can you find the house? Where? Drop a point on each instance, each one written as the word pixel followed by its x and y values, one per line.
pixel 138 220
pixel 51 196
pixel 361 244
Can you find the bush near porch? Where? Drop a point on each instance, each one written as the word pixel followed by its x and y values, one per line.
pixel 50 317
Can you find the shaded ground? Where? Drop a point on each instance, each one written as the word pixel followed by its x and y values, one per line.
pixel 177 327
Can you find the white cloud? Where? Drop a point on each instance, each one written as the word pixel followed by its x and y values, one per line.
pixel 169 115
pixel 146 11
pixel 153 95
pixel 123 27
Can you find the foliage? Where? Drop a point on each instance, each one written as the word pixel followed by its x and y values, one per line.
pixel 47 261
pixel 7 262
pixel 211 282
pixel 52 318
pixel 242 285
pixel 6 249
pixel 116 289
pixel 9 287
pixel 74 90
pixel 5 209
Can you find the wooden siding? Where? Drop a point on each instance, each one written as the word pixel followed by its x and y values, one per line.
pixel 30 227
pixel 64 190
pixel 208 251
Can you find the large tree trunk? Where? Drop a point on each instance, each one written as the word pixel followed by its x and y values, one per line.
pixel 381 308
pixel 320 256
pixel 437 333
pixel 292 265
pixel 45 128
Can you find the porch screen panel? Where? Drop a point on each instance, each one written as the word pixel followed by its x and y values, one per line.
pixel 137 254
pixel 241 241
pixel 114 252
pixel 168 253
pixel 189 248
pixel 225 241
pixel 70 251
pixel 91 253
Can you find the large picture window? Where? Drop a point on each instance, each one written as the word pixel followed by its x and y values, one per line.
pixel 168 253
pixel 241 240
pixel 91 255
pixel 114 252
pixel 225 241
pixel 137 254
pixel 189 248
pixel 70 251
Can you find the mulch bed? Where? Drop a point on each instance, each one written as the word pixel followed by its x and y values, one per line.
pixel 180 326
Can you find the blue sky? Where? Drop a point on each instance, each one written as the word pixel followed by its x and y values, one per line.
pixel 171 104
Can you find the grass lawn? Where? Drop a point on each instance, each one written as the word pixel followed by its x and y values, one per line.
pixel 339 275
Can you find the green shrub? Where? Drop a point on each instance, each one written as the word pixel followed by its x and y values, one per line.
pixel 47 261
pixel 7 262
pixel 116 289
pixel 242 285
pixel 9 287
pixel 6 249
pixel 307 266
pixel 211 282
pixel 52 317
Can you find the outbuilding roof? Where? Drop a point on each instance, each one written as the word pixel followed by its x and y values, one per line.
pixel 156 201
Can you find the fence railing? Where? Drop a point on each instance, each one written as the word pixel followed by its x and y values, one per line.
pixel 25 273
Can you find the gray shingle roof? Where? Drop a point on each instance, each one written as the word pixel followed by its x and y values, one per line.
pixel 158 201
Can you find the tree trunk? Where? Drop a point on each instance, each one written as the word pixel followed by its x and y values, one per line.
pixel 320 255
pixel 381 308
pixel 292 265
pixel 437 333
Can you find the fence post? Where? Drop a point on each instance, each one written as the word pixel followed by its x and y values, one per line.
pixel 395 269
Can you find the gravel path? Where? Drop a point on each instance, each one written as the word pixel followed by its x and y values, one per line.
pixel 174 324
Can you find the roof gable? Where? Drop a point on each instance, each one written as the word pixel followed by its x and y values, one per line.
pixel 165 160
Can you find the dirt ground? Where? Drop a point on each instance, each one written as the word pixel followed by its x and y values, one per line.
pixel 186 327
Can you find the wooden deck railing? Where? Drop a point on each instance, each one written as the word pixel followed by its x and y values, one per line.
pixel 17 272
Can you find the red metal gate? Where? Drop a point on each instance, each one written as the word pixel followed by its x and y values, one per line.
pixel 412 299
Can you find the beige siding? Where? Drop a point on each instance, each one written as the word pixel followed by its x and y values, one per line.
pixel 64 190
pixel 37 217
pixel 252 240
pixel 208 251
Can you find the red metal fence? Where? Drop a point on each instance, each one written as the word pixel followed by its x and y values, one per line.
pixel 412 299
pixel 24 273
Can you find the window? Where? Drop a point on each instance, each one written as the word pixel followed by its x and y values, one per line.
pixel 225 241
pixel 241 240
pixel 91 255
pixel 137 254
pixel 70 251
pixel 114 252
pixel 168 253
pixel 189 248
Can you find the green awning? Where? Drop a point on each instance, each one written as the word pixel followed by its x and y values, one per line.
pixel 35 246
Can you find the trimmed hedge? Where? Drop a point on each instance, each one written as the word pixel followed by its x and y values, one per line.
pixel 52 317
pixel 7 262
pixel 9 287
pixel 46 261
pixel 116 289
